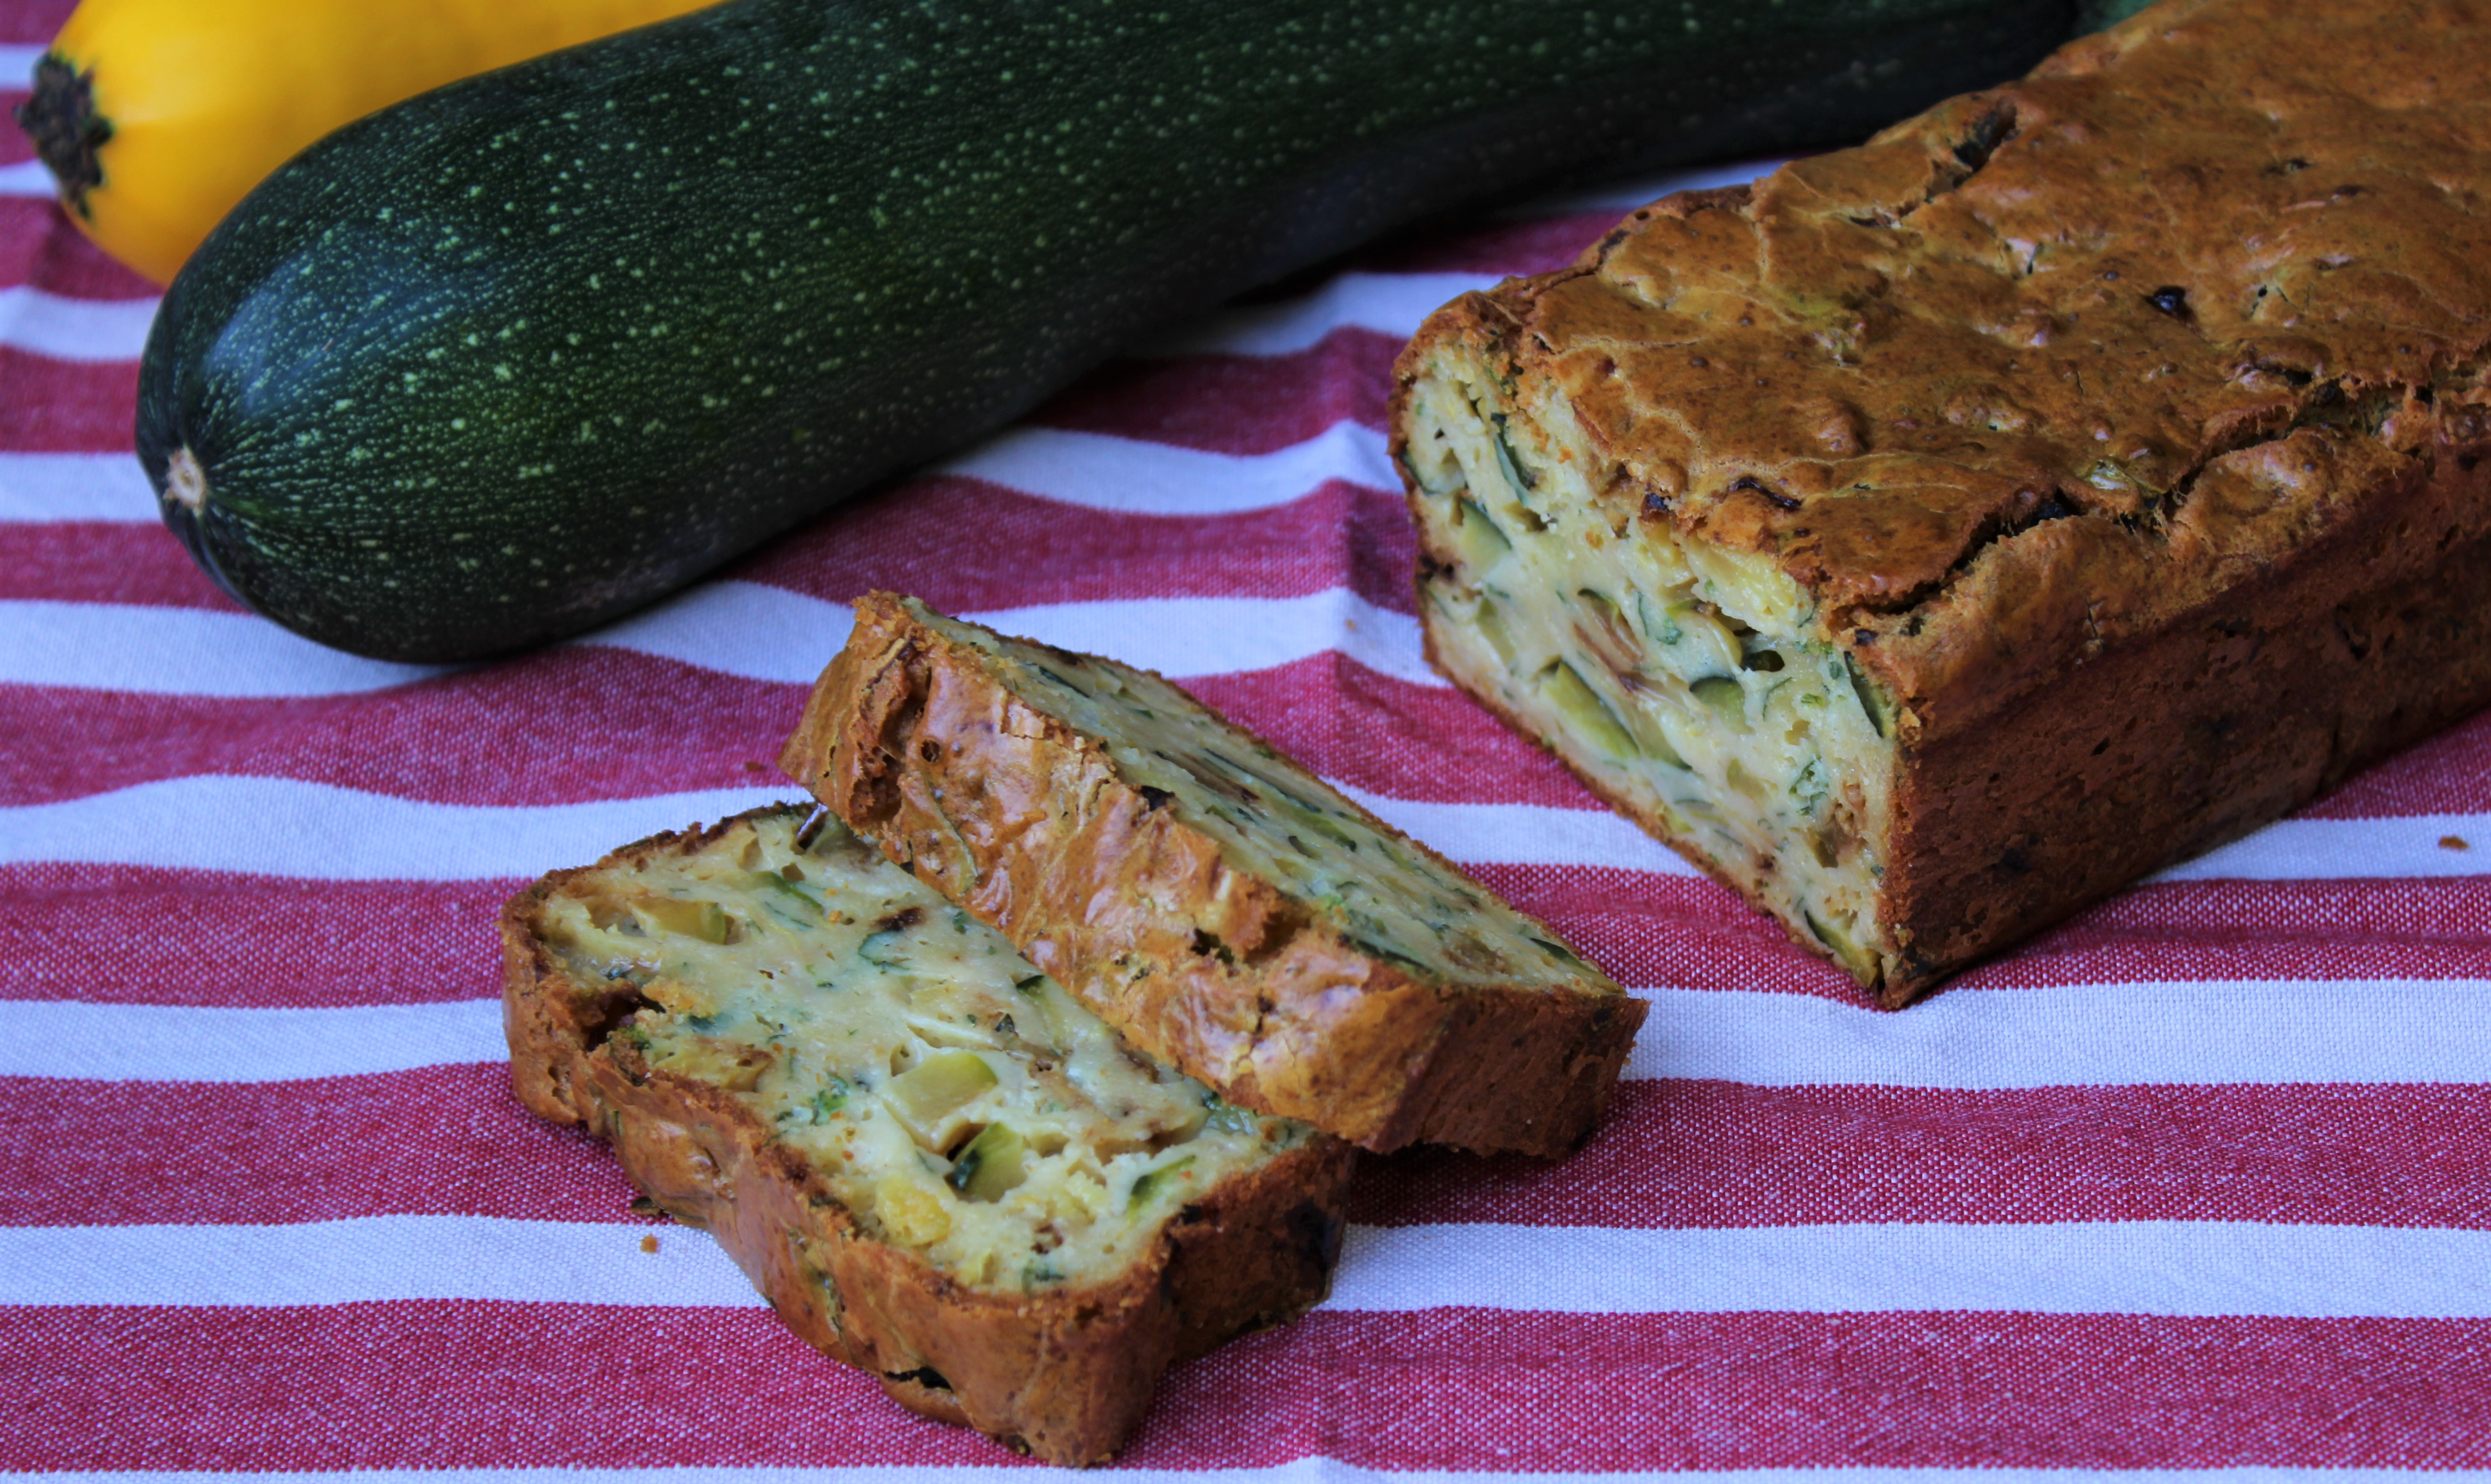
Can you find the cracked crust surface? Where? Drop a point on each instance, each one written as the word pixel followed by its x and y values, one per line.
pixel 1063 1373
pixel 2122 424
pixel 1112 885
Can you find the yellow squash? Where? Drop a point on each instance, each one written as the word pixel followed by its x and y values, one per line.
pixel 156 116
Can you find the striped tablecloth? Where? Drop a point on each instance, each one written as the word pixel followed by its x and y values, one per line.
pixel 2200 1181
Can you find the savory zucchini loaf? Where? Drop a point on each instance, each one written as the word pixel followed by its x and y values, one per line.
pixel 935 1165
pixel 1937 535
pixel 1222 907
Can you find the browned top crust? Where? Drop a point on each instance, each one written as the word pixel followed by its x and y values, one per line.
pixel 2055 362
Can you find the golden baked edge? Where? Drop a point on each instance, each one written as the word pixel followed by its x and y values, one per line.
pixel 1293 1021
pixel 1065 1375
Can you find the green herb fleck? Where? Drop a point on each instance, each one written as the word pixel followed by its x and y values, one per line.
pixel 781 885
pixel 1227 1118
pixel 1810 787
pixel 1510 467
pixel 829 1100
pixel 1387 954
pixel 1869 699
pixel 1556 950
pixel 1146 1185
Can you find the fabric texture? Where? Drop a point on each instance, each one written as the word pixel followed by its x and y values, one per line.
pixel 2201 1180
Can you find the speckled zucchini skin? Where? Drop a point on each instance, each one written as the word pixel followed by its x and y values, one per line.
pixel 511 359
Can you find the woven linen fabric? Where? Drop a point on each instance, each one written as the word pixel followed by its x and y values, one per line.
pixel 2199 1181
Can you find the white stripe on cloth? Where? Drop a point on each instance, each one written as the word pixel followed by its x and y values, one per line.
pixel 288 826
pixel 75 487
pixel 1189 636
pixel 1130 476
pixel 2172 1269
pixel 18 61
pixel 211 1043
pixel 73 329
pixel 2346 849
pixel 283 826
pixel 1092 471
pixel 2198 1032
pixel 187 651
pixel 746 629
pixel 759 633
pixel 2156 1034
pixel 1524 833
pixel 27 179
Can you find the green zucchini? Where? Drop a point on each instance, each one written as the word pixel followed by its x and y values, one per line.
pixel 515 356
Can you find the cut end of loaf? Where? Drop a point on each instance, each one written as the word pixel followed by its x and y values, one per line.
pixel 1684 682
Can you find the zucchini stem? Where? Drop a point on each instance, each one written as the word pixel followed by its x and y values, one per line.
pixel 67 131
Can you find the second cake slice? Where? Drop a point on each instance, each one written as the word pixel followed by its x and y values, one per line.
pixel 1223 907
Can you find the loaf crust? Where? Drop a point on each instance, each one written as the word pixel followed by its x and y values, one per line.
pixel 1063 1374
pixel 1027 822
pixel 2121 427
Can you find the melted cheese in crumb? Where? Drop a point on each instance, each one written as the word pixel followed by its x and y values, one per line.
pixel 1274 819
pixel 961 1101
pixel 1681 676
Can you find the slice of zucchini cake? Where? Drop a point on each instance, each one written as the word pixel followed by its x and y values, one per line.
pixel 1940 534
pixel 1222 906
pixel 935 1164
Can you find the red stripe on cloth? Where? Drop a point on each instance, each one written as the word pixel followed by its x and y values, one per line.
pixel 666 727
pixel 1690 933
pixel 452 1140
pixel 436 1385
pixel 1550 1393
pixel 1234 404
pixel 2451 773
pixel 103 561
pixel 436 1139
pixel 33 22
pixel 133 935
pixel 66 406
pixel 1683 1155
pixel 961 544
pixel 2436 927
pixel 130 935
pixel 439 1385
pixel 39 246
pixel 1389 736
pixel 558 727
pixel 965 545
